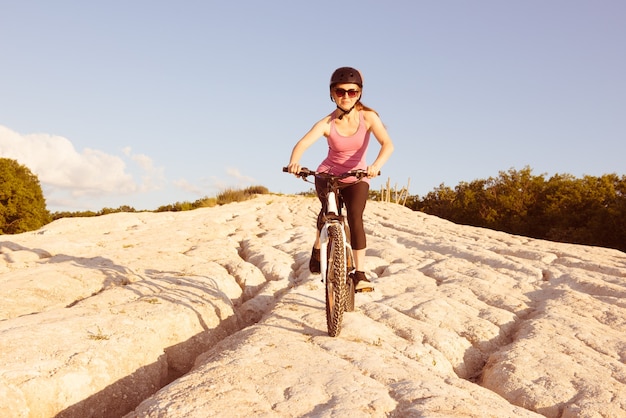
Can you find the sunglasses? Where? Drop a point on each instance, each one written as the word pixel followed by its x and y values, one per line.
pixel 342 92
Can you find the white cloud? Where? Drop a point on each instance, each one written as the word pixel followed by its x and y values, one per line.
pixel 152 177
pixel 211 185
pixel 67 175
pixel 234 172
pixel 187 186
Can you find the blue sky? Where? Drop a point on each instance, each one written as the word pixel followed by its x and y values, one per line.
pixel 147 103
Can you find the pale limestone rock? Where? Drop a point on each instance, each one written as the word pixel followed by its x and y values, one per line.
pixel 213 312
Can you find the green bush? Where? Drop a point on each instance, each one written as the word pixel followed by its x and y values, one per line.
pixel 232 195
pixel 223 198
pixel 205 202
pixel 590 211
pixel 22 205
pixel 252 190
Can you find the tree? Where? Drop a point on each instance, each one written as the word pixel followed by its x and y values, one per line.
pixel 514 197
pixel 440 201
pixel 590 211
pixel 22 205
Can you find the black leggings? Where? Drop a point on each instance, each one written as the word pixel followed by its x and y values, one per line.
pixel 354 197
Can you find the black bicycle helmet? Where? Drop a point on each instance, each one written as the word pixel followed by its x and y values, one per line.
pixel 346 75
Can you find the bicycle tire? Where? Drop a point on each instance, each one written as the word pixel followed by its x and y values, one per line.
pixel 350 286
pixel 336 276
pixel 350 296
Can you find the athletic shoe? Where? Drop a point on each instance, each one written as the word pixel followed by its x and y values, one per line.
pixel 361 284
pixel 314 263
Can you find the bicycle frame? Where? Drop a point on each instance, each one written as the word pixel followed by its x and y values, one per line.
pixel 333 215
pixel 339 284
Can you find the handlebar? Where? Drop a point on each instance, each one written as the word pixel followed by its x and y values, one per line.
pixel 305 172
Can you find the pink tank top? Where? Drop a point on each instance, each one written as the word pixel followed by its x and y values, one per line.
pixel 346 153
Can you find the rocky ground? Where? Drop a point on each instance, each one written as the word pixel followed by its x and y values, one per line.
pixel 213 312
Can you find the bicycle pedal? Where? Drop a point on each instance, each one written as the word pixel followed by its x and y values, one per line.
pixel 366 290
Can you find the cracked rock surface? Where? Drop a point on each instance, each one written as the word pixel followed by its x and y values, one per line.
pixel 213 312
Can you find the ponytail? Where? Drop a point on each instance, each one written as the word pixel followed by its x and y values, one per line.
pixel 361 106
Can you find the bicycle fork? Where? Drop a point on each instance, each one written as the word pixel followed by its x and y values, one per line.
pixel 331 217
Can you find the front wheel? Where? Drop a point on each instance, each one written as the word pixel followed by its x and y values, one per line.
pixel 350 267
pixel 350 297
pixel 336 289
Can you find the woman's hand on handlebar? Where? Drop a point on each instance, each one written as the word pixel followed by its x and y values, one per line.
pixel 294 168
pixel 373 171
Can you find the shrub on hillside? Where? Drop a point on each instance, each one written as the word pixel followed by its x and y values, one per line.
pixel 223 198
pixel 590 211
pixel 232 195
pixel 22 205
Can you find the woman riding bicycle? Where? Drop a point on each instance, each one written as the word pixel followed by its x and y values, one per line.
pixel 347 130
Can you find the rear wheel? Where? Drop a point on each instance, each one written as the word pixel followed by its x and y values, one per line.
pixel 336 289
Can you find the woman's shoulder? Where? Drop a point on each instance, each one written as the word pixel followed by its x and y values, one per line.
pixel 369 113
pixel 324 124
pixel 371 117
pixel 325 121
